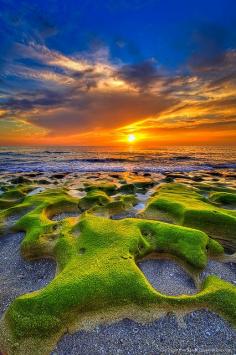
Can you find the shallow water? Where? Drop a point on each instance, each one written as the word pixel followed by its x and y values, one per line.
pixel 74 159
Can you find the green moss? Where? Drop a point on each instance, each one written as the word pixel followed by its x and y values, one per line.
pixel 186 206
pixel 214 248
pixel 94 198
pixel 104 274
pixel 168 179
pixel 115 207
pixel 41 233
pixel 128 200
pixel 188 244
pixel 13 195
pixel 97 265
pixel 108 188
pixel 12 204
pixel 43 206
pixel 143 184
pixel 225 198
pixel 213 187
pixel 127 188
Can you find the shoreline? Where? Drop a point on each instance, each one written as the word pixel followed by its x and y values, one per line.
pixel 163 274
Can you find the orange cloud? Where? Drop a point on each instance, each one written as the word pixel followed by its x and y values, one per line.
pixel 94 101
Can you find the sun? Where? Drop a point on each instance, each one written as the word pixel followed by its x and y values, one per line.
pixel 131 138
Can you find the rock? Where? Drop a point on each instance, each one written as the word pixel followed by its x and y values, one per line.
pixel 20 180
pixel 59 176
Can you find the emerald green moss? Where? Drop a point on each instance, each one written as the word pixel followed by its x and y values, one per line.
pixel 93 198
pixel 188 244
pixel 225 198
pixel 135 186
pixel 143 184
pixel 42 207
pixel 104 274
pixel 214 248
pixel 128 200
pixel 127 188
pixel 97 263
pixel 12 203
pixel 115 207
pixel 186 206
pixel 210 187
pixel 13 195
pixel 108 188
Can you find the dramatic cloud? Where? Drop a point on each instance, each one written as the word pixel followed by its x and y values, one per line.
pixel 75 94
pixel 141 75
pixel 92 92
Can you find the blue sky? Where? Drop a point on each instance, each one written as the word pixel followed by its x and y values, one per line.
pixel 167 44
pixel 134 30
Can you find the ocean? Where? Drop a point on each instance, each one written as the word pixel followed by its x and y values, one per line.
pixel 93 159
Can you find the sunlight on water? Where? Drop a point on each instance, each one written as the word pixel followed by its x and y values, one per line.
pixel 115 159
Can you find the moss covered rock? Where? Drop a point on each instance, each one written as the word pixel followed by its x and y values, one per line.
pixel 127 188
pixel 97 269
pixel 13 195
pixel 93 198
pixel 224 198
pixel 108 188
pixel 184 205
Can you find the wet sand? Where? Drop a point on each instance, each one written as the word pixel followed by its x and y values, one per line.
pixel 18 276
pixel 201 332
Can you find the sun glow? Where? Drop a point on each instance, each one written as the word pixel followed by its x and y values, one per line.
pixel 131 138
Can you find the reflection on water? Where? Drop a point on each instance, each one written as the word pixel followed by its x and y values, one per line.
pixel 115 159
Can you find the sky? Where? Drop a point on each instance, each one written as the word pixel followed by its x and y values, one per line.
pixel 94 72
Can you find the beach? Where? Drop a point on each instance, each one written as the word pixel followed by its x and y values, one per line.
pixel 132 159
pixel 52 202
pixel 117 177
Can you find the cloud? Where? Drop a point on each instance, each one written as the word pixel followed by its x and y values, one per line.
pixel 98 110
pixel 141 75
pixel 82 92
pixel 89 92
